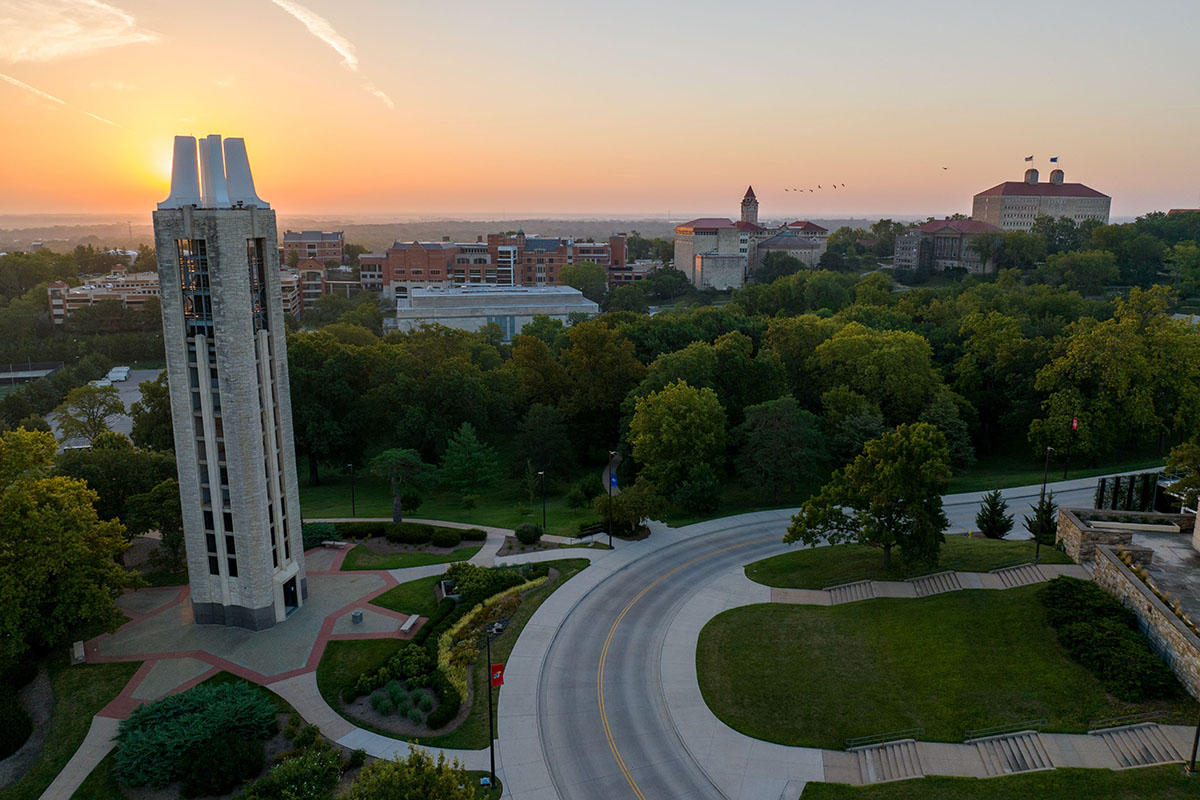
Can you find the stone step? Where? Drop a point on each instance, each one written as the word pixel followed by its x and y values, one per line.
pixel 1020 575
pixel 936 583
pixel 890 761
pixel 1013 752
pixel 1139 745
pixel 851 592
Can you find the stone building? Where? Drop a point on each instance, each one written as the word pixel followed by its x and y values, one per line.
pixel 1014 205
pixel 942 245
pixel 470 308
pixel 227 369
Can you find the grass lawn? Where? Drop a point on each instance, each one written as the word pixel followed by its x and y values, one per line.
pixel 947 663
pixel 362 557
pixel 815 567
pixel 1004 469
pixel 414 597
pixel 497 506
pixel 79 693
pixel 165 577
pixel 100 784
pixel 1167 782
pixel 343 661
pixel 738 499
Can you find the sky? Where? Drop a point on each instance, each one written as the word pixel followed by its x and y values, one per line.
pixel 623 107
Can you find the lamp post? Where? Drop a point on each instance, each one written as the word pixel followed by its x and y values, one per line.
pixel 353 505
pixel 542 475
pixel 1037 536
pixel 1195 745
pixel 487 635
pixel 612 479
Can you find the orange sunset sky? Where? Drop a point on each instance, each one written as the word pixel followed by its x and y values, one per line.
pixel 620 107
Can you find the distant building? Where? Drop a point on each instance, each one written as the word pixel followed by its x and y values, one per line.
pixel 717 236
pixel 470 308
pixel 805 249
pixel 290 293
pixel 1014 205
pixel 943 245
pixel 131 289
pixel 321 245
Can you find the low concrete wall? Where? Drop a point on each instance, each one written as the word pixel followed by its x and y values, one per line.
pixel 1177 645
pixel 1080 539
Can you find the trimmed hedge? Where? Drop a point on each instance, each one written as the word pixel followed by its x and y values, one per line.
pixel 1103 636
pixel 475 584
pixel 474 535
pixel 222 763
pixel 529 533
pixel 159 740
pixel 315 533
pixel 446 537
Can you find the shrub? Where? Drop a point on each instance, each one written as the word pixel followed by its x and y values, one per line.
pixel 577 498
pixel 469 501
pixel 475 584
pixel 1068 600
pixel 414 716
pixel 157 740
pixel 15 724
pixel 397 693
pixel 382 703
pixel 425 703
pixel 308 736
pixel 991 519
pixel 446 537
pixel 409 533
pixel 312 775
pixel 474 535
pixel 220 764
pixel 361 530
pixel 448 702
pixel 529 533
pixel 316 532
pixel 412 664
pixel 357 759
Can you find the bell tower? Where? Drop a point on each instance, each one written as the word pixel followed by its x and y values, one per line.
pixel 750 206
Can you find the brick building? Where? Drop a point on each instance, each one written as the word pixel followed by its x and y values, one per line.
pixel 321 245
pixel 130 288
pixel 1014 205
pixel 943 245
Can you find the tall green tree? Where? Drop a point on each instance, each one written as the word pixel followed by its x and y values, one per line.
pixel 991 519
pixel 586 276
pixel 601 369
pixel 633 506
pixel 676 432
pixel 779 445
pixel 1085 272
pixel 1184 462
pixel 88 411
pixel 404 470
pixel 153 426
pixel 890 496
pixel 159 510
pixel 468 462
pixel 58 570
pixel 543 438
pixel 1042 524
pixel 893 368
pixel 116 471
pixel 540 377
pixel 329 384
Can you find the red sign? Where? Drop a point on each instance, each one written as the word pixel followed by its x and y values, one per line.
pixel 497 674
pixel 1075 424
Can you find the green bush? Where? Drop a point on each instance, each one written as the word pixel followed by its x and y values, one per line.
pixel 220 764
pixel 446 537
pixel 474 535
pixel 361 530
pixel 397 693
pixel 411 664
pixel 414 715
pixel 158 739
pixel 1068 600
pixel 577 498
pixel 425 703
pixel 15 724
pixel 382 703
pixel 529 533
pixel 475 584
pixel 470 501
pixel 448 702
pixel 312 775
pixel 409 533
pixel 315 533
pixel 357 759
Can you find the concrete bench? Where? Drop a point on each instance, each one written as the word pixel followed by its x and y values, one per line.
pixel 77 654
pixel 331 543
pixel 409 623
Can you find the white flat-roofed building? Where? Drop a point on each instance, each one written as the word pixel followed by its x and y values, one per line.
pixel 470 308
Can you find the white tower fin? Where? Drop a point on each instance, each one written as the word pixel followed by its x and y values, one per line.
pixel 238 177
pixel 185 177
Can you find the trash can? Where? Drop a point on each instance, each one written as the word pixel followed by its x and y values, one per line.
pixel 356 616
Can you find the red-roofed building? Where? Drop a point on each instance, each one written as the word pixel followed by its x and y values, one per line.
pixel 1014 205
pixel 944 244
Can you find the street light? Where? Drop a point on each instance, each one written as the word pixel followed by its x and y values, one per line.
pixel 612 479
pixel 1037 536
pixel 353 508
pixel 1191 769
pixel 494 629
pixel 542 475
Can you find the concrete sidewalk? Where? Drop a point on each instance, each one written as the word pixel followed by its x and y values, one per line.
pixel 96 745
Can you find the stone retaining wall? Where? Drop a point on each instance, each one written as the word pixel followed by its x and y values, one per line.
pixel 1170 638
pixel 1080 539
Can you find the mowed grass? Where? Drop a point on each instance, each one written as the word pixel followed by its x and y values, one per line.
pixel 413 597
pixel 79 692
pixel 816 567
pixel 363 557
pixel 343 661
pixel 815 676
pixel 1167 782
pixel 1002 470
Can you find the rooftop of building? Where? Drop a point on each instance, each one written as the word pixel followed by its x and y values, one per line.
pixel 541 245
pixel 967 225
pixel 1023 189
pixel 423 245
pixel 706 224
pixel 310 236
pixel 742 225
pixel 749 193
pixel 789 241
pixel 805 225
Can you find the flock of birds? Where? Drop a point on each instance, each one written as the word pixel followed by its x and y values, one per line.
pixel 832 186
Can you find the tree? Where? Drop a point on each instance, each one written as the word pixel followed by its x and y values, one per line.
pixel 468 462
pixel 779 445
pixel 677 431
pixel 630 297
pixel 586 276
pixel 601 369
pixel 1043 523
pixel 88 411
pixel 404 469
pixel 58 571
pixel 542 437
pixel 942 413
pixel 159 510
pixel 1183 264
pixel 116 471
pixel 1184 461
pixel 153 426
pixel 417 777
pixel 1085 272
pixel 540 377
pixel 776 265
pixel 293 259
pixel 889 496
pixel 991 519
pixel 329 383
pixel 631 507
pixel 351 252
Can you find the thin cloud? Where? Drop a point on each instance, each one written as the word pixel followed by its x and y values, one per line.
pixel 47 96
pixel 319 27
pixel 47 30
pixel 116 86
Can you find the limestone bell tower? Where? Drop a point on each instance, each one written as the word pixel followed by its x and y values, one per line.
pixel 750 206
pixel 218 270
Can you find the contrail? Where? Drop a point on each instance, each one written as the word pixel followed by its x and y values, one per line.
pixel 51 98
pixel 319 27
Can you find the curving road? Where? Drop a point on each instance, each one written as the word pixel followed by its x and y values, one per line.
pixel 602 719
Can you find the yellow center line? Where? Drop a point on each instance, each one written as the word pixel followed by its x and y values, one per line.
pixel 612 744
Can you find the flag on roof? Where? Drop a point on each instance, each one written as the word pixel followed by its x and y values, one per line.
pixel 1029 158
pixel 1054 160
